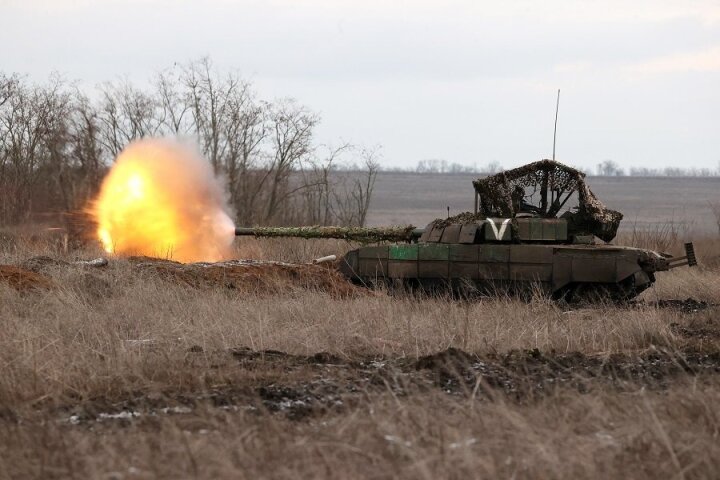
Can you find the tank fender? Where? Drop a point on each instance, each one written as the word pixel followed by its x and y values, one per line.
pixel 583 266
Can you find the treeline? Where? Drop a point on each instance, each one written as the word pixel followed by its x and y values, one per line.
pixel 57 142
pixel 609 168
pixel 443 166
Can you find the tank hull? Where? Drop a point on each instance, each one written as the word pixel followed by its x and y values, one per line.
pixel 567 271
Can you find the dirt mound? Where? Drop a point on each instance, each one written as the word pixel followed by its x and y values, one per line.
pixel 247 355
pixel 522 373
pixel 451 359
pixel 252 276
pixel 42 262
pixel 23 280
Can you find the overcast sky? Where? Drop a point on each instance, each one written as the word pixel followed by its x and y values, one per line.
pixel 465 81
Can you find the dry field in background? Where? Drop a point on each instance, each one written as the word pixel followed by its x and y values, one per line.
pixel 123 372
pixel 401 198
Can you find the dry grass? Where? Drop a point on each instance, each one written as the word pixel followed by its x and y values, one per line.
pixel 110 340
pixel 638 435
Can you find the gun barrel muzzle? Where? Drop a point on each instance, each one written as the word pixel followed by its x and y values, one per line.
pixel 244 231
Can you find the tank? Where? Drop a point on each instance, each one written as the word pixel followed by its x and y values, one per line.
pixel 537 227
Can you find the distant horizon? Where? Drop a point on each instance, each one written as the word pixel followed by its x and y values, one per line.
pixel 459 169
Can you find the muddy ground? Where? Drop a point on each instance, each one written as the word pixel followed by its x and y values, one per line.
pixel 242 276
pixel 301 387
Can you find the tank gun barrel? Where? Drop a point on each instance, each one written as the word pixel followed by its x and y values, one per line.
pixel 406 233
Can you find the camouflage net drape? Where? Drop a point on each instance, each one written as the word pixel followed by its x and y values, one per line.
pixel 353 234
pixel 501 195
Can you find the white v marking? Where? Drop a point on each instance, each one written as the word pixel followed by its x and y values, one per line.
pixel 498 233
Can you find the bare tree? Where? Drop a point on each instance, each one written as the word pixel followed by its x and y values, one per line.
pixel 715 208
pixel 174 107
pixel 362 193
pixel 8 86
pixel 87 154
pixel 126 114
pixel 230 125
pixel 32 126
pixel 291 129
pixel 245 129
pixel 609 168
pixel 319 179
pixel 352 202
pixel 209 99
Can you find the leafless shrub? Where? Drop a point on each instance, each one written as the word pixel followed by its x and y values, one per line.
pixel 660 236
pixel 353 201
pixel 715 208
pixel 321 178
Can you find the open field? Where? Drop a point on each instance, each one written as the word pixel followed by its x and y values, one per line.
pixel 124 371
pixel 185 188
pixel 402 198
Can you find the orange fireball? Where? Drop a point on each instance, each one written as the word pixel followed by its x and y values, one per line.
pixel 161 199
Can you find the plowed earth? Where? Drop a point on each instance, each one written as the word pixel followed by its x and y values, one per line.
pixel 260 277
pixel 244 276
pixel 22 279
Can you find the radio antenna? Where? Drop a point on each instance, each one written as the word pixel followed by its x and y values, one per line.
pixel 557 107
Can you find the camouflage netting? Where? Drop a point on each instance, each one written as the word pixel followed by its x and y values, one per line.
pixel 502 195
pixel 464 218
pixel 354 234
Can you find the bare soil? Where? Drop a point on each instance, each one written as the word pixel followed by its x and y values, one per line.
pixel 312 386
pixel 253 276
pixel 243 276
pixel 22 279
